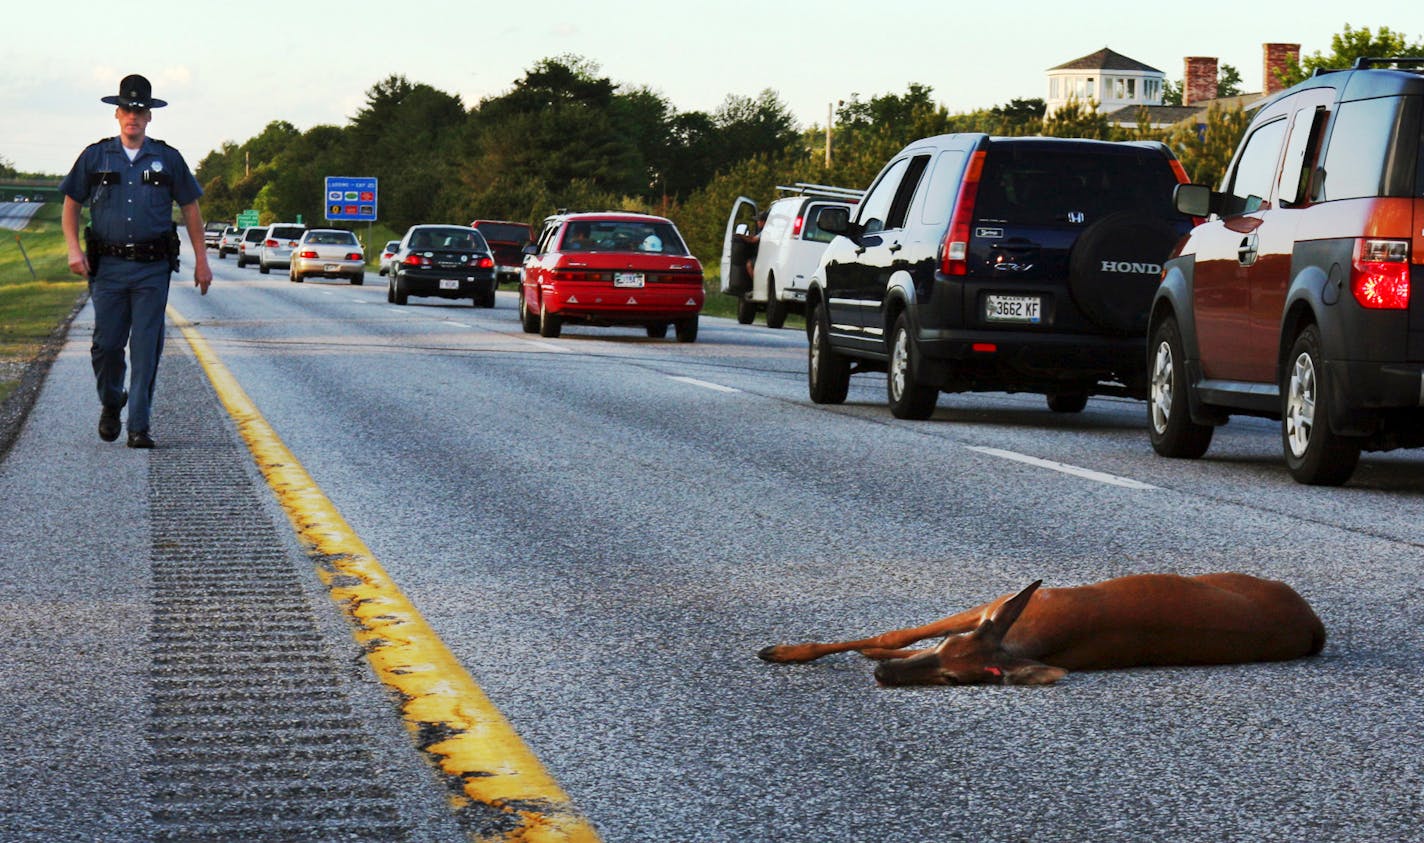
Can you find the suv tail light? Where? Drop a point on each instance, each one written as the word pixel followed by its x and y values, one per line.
pixel 954 252
pixel 1379 277
pixel 796 226
pixel 269 243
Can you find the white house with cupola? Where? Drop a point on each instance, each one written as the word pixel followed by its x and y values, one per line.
pixel 1110 79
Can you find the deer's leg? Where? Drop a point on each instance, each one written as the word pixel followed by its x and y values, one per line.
pixel 886 645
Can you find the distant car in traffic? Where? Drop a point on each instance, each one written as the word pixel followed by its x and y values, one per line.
pixel 211 232
pixel 507 241
pixel 249 245
pixel 227 242
pixel 277 246
pixel 610 268
pixel 328 253
pixel 388 256
pixel 444 261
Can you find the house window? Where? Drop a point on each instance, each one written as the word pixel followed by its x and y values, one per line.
pixel 1053 88
pixel 1150 89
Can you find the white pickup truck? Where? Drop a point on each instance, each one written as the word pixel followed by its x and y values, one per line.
pixel 788 250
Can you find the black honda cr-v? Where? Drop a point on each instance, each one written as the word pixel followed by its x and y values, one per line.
pixel 980 263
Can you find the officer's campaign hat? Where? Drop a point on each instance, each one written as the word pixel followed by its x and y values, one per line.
pixel 135 92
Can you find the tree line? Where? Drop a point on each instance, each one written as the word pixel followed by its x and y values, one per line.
pixel 565 136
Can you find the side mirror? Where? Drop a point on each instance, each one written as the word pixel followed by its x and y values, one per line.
pixel 531 249
pixel 834 220
pixel 1195 200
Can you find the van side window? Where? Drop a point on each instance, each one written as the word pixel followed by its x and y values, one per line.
pixel 1365 156
pixel 876 207
pixel 1255 169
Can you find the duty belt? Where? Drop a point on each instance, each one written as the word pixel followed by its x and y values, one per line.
pixel 153 250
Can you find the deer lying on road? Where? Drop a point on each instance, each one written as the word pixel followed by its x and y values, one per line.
pixel 1036 636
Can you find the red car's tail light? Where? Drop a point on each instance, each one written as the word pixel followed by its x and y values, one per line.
pixel 954 252
pixel 1379 276
pixel 577 275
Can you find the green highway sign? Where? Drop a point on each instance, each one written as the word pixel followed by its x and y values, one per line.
pixel 246 219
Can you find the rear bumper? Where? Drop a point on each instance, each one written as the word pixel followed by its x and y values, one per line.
pixel 448 285
pixel 1363 395
pixel 635 305
pixel 958 360
pixel 328 268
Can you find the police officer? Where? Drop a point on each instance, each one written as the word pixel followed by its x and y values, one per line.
pixel 130 183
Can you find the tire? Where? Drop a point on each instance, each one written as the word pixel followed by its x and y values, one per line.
pixel 686 329
pixel 775 308
pixel 222 256
pixel 528 320
pixel 827 372
pixel 908 399
pixel 657 330
pixel 358 280
pixel 1132 246
pixel 402 296
pixel 294 276
pixel 1315 454
pixel 264 268
pixel 550 324
pixel 1067 402
pixel 1169 419
pixel 746 310
pixel 390 291
pixel 240 262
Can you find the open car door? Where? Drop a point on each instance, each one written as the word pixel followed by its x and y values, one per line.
pixel 735 280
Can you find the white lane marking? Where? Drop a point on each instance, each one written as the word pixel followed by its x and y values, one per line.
pixel 548 346
pixel 704 384
pixel 1089 474
pixel 460 325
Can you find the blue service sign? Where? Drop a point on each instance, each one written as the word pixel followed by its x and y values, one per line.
pixel 351 198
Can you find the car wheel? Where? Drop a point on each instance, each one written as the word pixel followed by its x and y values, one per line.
pixel 263 268
pixel 528 319
pixel 382 272
pixel 222 255
pixel 686 329
pixel 1169 420
pixel 908 399
pixel 358 280
pixel 657 330
pixel 390 291
pixel 1315 454
pixel 746 309
pixel 827 372
pixel 402 296
pixel 775 307
pixel 1067 402
pixel 294 276
pixel 550 324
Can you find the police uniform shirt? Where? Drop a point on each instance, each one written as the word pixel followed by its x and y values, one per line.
pixel 131 201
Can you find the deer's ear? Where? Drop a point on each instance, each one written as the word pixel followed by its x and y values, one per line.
pixel 993 630
pixel 1033 674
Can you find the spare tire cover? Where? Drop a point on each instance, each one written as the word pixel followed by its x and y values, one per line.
pixel 1115 268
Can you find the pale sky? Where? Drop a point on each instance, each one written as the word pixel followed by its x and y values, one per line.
pixel 228 69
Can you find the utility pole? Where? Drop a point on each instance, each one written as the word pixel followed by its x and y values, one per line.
pixel 830 112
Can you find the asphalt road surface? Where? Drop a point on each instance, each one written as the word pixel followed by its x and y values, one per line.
pixel 604 529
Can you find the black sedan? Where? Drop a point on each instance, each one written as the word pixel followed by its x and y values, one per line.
pixel 444 261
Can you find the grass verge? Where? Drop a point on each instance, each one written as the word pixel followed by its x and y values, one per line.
pixel 32 304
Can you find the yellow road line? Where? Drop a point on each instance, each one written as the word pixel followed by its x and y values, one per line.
pixel 476 747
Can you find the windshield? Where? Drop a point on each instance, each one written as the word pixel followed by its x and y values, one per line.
pixel 622 236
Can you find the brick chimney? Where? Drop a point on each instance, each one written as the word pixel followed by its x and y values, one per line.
pixel 1277 59
pixel 1199 82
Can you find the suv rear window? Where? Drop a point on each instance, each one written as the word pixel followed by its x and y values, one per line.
pixel 1373 149
pixel 288 232
pixel 255 235
pixel 1037 186
pixel 504 232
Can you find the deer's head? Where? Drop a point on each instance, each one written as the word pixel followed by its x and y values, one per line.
pixel 974 658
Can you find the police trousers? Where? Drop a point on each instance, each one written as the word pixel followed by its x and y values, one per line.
pixel 130 298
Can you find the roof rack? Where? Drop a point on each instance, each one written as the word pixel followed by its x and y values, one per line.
pixel 822 190
pixel 1364 62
